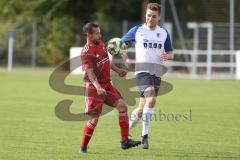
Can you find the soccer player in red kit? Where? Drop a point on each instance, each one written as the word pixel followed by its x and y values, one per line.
pixel 98 87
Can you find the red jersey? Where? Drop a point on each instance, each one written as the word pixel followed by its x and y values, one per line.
pixel 96 57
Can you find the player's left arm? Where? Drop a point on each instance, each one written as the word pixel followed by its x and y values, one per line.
pixel 168 48
pixel 167 56
pixel 121 72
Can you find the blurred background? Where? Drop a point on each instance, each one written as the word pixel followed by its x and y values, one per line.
pixel 40 33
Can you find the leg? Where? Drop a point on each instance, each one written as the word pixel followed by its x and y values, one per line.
pixel 147 114
pixel 89 128
pixel 123 123
pixel 114 99
pixel 148 109
pixel 123 118
pixel 93 107
pixel 87 134
pixel 137 113
pixel 141 105
pixel 150 94
pixel 148 85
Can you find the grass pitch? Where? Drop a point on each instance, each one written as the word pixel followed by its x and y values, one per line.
pixel 30 130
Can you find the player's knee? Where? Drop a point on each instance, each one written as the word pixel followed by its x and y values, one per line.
pixel 121 106
pixel 149 92
pixel 95 113
pixel 150 101
pixel 94 121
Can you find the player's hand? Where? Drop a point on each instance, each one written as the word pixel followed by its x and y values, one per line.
pixel 164 56
pixel 101 91
pixel 129 63
pixel 122 72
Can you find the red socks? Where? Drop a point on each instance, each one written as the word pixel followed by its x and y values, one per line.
pixel 87 133
pixel 89 129
pixel 123 123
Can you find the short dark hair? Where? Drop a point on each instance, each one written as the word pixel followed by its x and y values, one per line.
pixel 87 28
pixel 154 7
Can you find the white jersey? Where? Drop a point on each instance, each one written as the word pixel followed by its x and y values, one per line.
pixel 149 44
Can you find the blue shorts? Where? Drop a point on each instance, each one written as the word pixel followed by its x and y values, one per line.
pixel 145 80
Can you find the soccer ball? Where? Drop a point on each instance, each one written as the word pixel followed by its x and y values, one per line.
pixel 114 46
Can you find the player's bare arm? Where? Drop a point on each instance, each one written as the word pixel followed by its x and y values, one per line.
pixel 167 56
pixel 128 62
pixel 92 77
pixel 121 72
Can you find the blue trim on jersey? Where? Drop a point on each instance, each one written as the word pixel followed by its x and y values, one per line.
pixel 130 35
pixel 168 44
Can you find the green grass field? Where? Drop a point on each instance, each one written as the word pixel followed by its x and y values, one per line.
pixel 30 130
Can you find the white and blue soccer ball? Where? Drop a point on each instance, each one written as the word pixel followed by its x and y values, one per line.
pixel 114 46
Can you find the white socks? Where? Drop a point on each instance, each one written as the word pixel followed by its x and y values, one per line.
pixel 146 120
pixel 134 119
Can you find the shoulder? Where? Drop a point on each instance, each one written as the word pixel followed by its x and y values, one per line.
pixel 163 29
pixel 87 50
pixel 135 28
pixel 130 35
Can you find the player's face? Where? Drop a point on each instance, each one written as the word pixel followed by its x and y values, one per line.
pixel 96 35
pixel 152 18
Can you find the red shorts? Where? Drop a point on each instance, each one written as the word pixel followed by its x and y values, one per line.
pixel 94 102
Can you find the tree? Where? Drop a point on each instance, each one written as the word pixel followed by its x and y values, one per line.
pixel 58 20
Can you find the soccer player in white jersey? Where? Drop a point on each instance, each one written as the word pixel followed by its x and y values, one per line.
pixel 152 46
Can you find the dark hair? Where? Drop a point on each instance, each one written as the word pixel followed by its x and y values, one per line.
pixel 154 7
pixel 87 28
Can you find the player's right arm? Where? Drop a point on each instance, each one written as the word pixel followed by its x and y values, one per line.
pixel 92 77
pixel 87 66
pixel 128 42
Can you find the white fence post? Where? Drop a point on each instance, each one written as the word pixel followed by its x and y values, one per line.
pixel 10 51
pixel 195 27
pixel 238 65
pixel 209 27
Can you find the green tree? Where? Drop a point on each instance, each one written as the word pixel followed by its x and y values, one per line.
pixel 59 20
